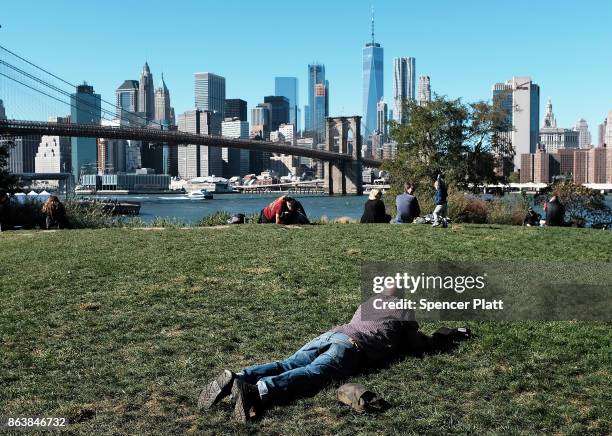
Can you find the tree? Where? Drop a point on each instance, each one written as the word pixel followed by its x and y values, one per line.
pixel 582 204
pixel 448 137
pixel 8 182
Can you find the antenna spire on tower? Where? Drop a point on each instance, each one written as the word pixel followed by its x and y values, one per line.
pixel 372 9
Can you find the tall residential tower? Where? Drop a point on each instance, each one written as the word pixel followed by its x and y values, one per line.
pixel 404 85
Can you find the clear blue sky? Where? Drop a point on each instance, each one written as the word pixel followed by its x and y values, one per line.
pixel 465 46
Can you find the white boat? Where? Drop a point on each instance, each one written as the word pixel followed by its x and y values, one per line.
pixel 200 194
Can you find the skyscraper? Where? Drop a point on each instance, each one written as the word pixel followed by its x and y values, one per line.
pixel 163 111
pixel 601 133
pixel 210 93
pixel 552 137
pixel 318 103
pixel 260 121
pixel 53 154
pixel 584 138
pixel 2 111
pixel 236 108
pixel 521 98
pixel 146 94
pixel 424 90
pixel 86 109
pixel 288 87
pixel 198 160
pixel 404 84
pixel 372 82
pixel 608 135
pixel 381 119
pixel 127 97
pixel 237 159
pixel 279 110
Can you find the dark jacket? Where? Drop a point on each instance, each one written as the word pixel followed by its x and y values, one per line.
pixel 555 213
pixel 532 218
pixel 441 194
pixel 374 212
pixel 408 208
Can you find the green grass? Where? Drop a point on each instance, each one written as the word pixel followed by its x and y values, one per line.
pixel 130 323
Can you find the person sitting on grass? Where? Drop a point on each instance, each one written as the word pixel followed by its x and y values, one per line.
pixel 297 215
pixel 439 212
pixel 279 211
pixel 532 218
pixel 371 339
pixel 374 210
pixel 555 212
pixel 408 207
pixel 55 212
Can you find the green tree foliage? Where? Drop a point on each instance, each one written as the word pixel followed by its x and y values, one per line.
pixel 581 203
pixel 8 182
pixel 449 137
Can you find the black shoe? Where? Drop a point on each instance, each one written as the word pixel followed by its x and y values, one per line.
pixel 216 390
pixel 247 398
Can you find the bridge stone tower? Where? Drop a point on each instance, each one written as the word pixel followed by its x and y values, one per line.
pixel 343 136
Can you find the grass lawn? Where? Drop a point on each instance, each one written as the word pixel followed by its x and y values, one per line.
pixel 118 329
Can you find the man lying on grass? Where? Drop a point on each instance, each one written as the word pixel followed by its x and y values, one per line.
pixel 372 338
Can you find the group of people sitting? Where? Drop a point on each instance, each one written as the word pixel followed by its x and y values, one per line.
pixel 554 214
pixel 407 206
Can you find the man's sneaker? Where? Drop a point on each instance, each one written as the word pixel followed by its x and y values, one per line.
pixel 216 390
pixel 247 398
pixel 437 224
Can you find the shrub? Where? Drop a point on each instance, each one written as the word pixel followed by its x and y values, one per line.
pixel 465 208
pixel 507 211
pixel 88 216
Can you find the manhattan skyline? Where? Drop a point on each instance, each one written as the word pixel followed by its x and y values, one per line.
pixel 463 50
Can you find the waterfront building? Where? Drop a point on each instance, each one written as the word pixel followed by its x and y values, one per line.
pixel 2 110
pixel 553 137
pixel 210 93
pixel 235 108
pixel 86 109
pixel 584 135
pixel 288 88
pixel 424 90
pixel 22 152
pixel 236 160
pixel 146 93
pixel 404 84
pixel 53 154
pixel 372 82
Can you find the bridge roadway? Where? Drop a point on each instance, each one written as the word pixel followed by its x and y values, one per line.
pixel 172 137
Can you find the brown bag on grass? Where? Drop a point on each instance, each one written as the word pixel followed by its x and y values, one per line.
pixel 360 398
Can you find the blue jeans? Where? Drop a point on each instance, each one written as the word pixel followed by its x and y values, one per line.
pixel 325 358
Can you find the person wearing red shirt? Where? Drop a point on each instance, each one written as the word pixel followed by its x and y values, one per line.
pixel 275 211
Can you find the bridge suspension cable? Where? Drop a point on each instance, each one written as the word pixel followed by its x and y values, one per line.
pixel 113 105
